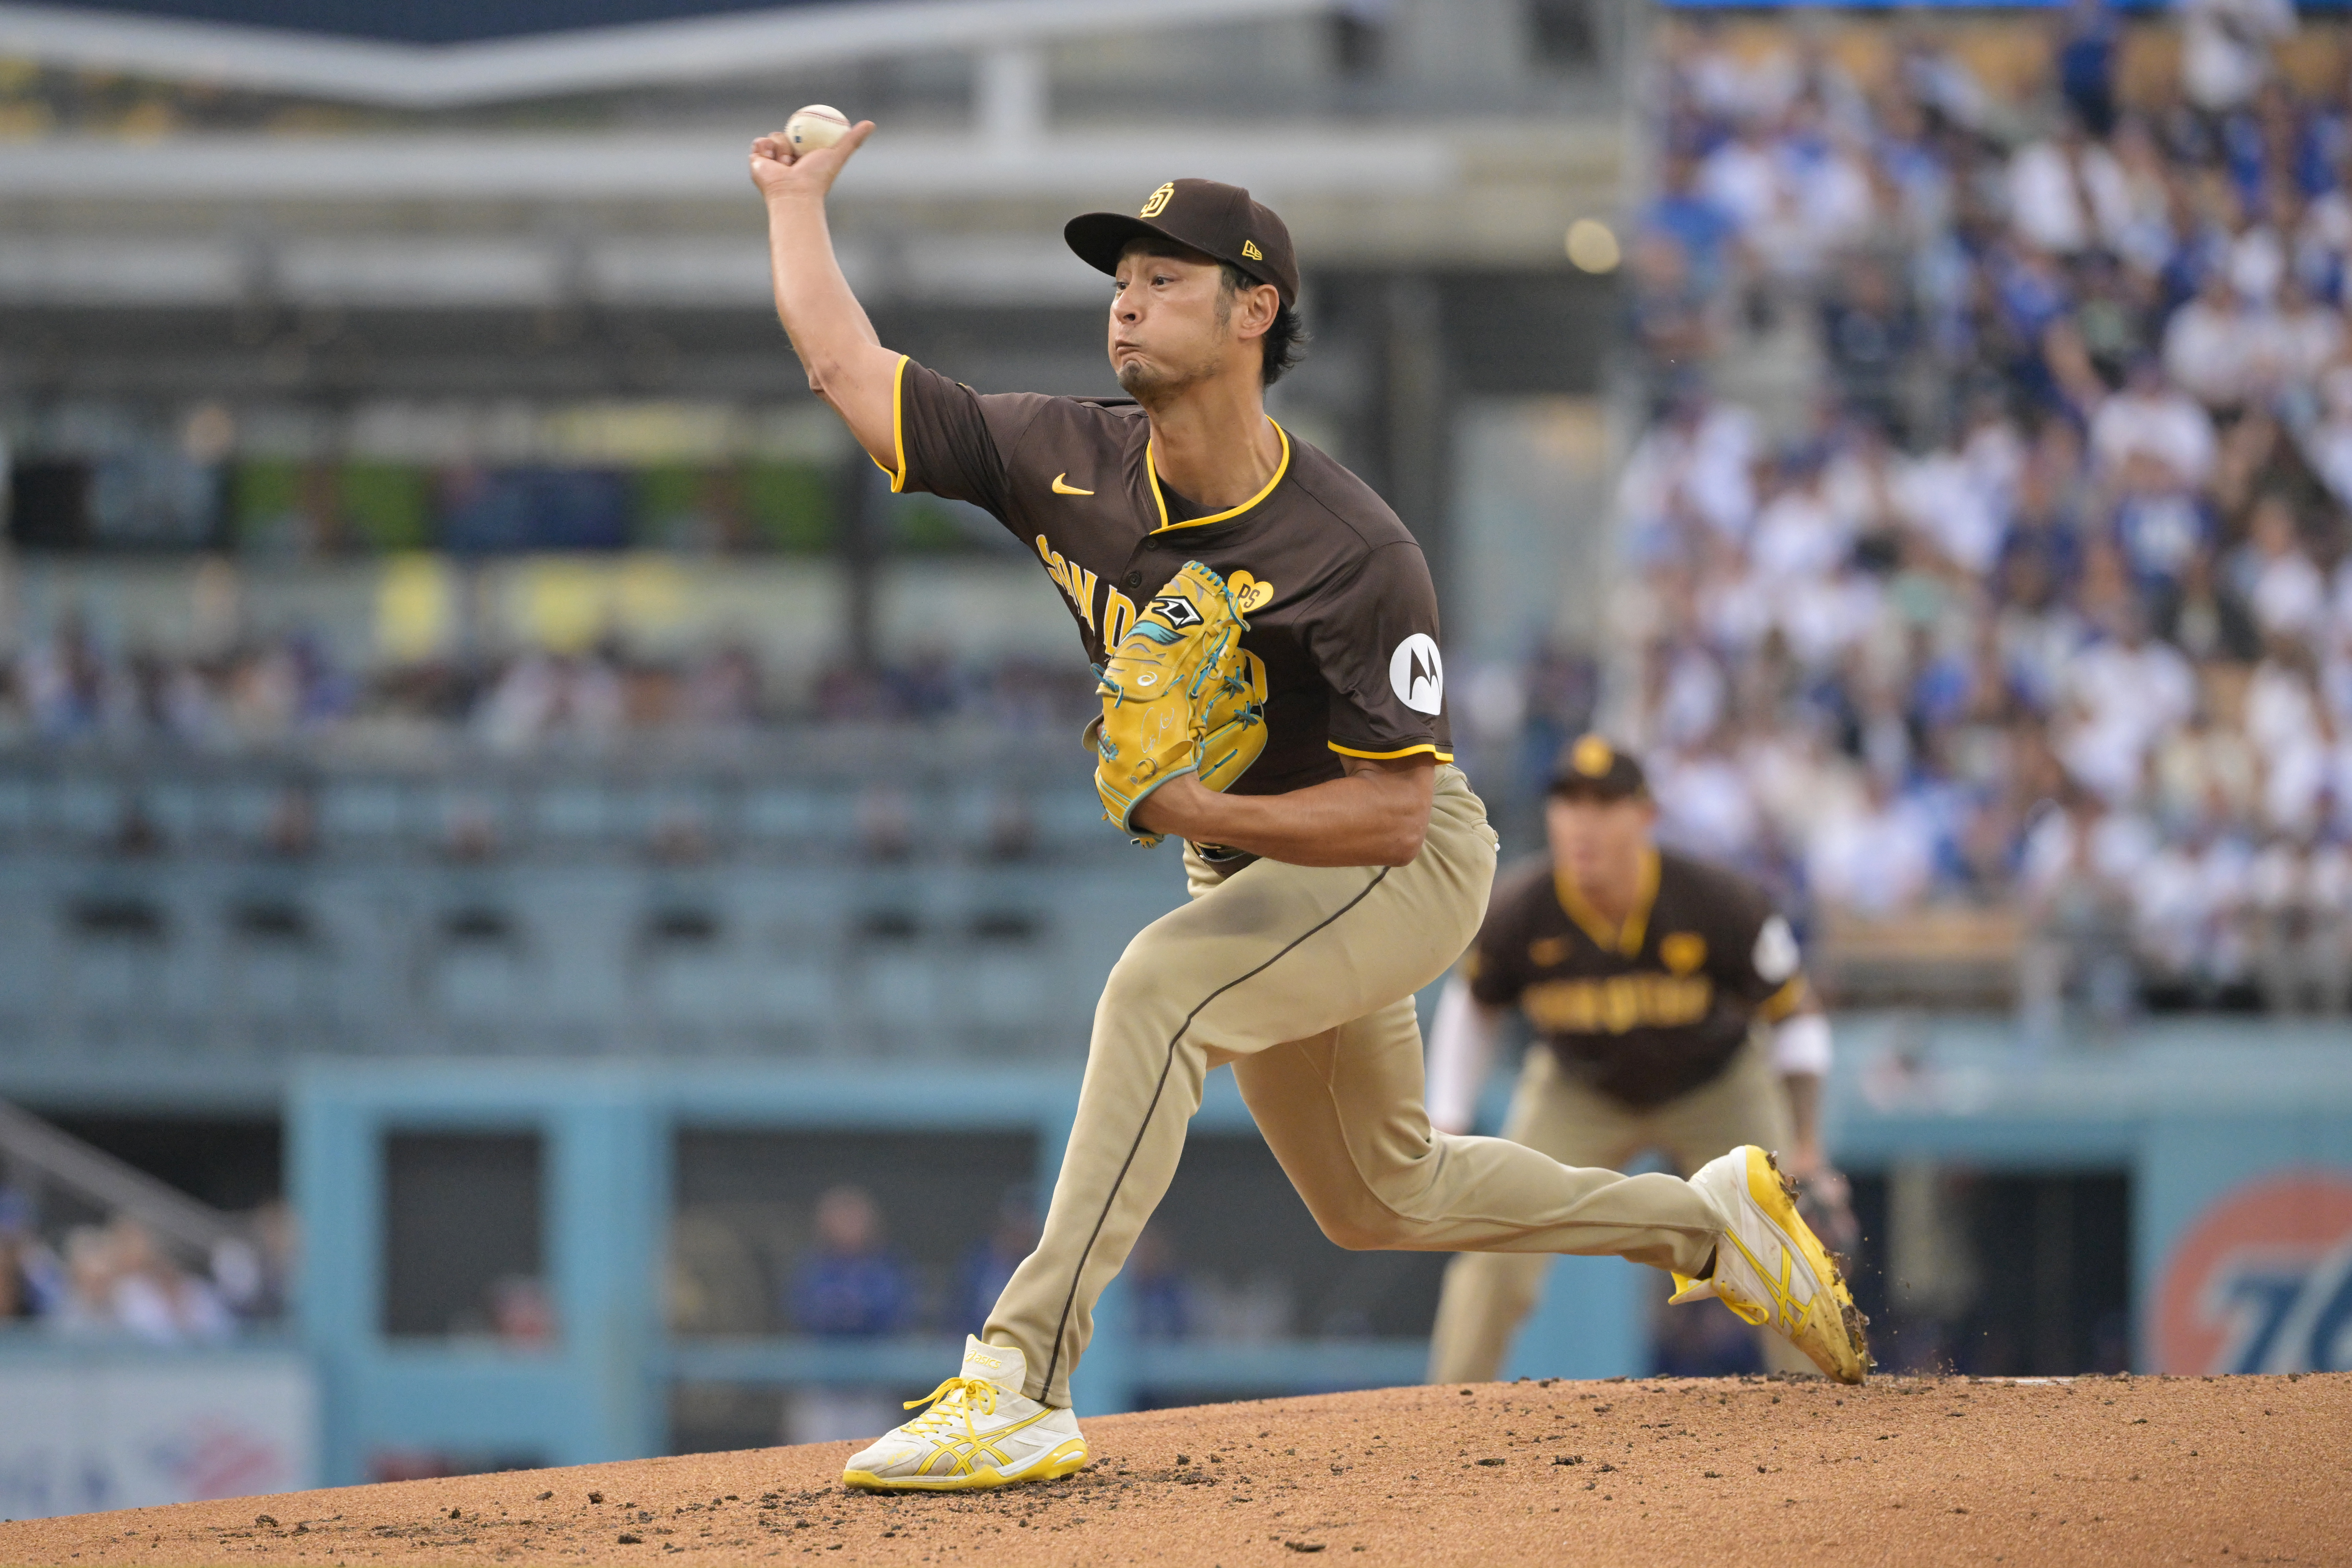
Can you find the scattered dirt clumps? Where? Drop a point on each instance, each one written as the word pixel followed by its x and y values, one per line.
pixel 2124 1471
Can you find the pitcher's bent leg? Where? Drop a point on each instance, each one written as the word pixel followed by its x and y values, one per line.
pixel 1343 1113
pixel 1272 953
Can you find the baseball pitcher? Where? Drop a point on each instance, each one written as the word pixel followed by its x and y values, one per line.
pixel 1273 695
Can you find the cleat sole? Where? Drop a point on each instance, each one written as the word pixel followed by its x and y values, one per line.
pixel 1070 1457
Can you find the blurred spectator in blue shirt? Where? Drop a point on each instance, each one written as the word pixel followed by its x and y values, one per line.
pixel 1697 222
pixel 2086 64
pixel 849 1284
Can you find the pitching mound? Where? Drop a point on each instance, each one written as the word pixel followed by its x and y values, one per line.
pixel 2124 1470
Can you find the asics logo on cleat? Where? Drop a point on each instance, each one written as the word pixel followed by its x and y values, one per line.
pixel 1785 1308
pixel 961 1398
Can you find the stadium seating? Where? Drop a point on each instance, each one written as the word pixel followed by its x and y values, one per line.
pixel 1987 526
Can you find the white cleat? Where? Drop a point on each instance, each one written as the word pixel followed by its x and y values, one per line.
pixel 979 1431
pixel 1773 1270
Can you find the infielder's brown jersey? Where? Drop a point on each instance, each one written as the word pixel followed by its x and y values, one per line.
pixel 1340 608
pixel 1652 1009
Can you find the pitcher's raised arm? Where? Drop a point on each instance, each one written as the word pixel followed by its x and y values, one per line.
pixel 847 363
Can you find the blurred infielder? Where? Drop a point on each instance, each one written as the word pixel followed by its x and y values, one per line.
pixel 1651 981
pixel 1271 694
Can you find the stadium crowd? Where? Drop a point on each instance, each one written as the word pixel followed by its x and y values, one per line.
pixel 114 1279
pixel 2046 598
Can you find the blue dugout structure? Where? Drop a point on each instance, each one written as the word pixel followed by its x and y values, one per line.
pixel 2237 1139
pixel 608 1133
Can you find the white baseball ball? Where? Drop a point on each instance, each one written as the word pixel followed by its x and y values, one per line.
pixel 817 125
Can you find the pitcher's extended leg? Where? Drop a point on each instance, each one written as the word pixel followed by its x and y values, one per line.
pixel 1342 1112
pixel 1488 1295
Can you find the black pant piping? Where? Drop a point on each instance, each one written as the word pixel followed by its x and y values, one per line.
pixel 1054 1363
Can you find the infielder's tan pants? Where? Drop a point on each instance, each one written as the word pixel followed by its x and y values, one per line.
pixel 1487 1294
pixel 1304 980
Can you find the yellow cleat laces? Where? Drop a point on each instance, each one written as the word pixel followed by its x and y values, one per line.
pixel 955 1396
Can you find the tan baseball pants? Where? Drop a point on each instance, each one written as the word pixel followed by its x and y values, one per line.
pixel 1303 979
pixel 1488 1294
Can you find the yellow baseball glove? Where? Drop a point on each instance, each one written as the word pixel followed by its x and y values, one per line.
pixel 1179 696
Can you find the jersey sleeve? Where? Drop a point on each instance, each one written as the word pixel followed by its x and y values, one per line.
pixel 1375 643
pixel 1757 961
pixel 954 442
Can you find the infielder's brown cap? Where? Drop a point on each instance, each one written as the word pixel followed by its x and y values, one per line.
pixel 1217 220
pixel 1590 768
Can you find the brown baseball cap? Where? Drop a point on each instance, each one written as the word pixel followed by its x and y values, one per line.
pixel 1217 220
pixel 1590 768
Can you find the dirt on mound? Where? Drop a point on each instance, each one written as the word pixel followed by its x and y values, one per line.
pixel 1907 1470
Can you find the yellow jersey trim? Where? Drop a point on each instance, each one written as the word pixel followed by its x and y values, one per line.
pixel 1391 756
pixel 1625 939
pixel 1151 469
pixel 897 428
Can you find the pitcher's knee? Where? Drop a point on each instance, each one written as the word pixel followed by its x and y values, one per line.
pixel 1357 1237
pixel 1384 1208
pixel 1402 1189
pixel 1361 1228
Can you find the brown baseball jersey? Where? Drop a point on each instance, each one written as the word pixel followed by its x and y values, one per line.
pixel 1651 1009
pixel 1340 609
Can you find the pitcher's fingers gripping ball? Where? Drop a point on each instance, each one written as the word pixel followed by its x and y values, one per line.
pixel 1179 696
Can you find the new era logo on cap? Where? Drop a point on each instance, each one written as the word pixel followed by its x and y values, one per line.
pixel 1250 250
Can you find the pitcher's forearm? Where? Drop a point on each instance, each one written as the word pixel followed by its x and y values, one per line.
pixel 813 300
pixel 847 365
pixel 1363 819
